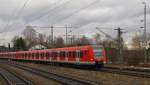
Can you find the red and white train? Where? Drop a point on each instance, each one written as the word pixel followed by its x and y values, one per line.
pixel 91 55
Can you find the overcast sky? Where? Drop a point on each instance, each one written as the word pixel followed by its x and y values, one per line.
pixel 83 15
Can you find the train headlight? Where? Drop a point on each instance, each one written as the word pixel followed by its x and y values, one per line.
pixel 91 59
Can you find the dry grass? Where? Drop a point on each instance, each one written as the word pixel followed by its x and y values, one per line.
pixel 37 80
pixel 105 78
pixel 2 81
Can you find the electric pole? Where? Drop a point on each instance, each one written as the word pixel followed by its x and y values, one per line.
pixel 120 46
pixel 145 35
pixel 52 34
pixel 9 47
pixel 66 34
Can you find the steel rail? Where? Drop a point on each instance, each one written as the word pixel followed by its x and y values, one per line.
pixel 66 80
pixel 12 78
pixel 129 72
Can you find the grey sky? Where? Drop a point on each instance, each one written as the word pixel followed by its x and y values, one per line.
pixel 107 14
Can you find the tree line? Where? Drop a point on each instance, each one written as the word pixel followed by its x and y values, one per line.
pixel 32 38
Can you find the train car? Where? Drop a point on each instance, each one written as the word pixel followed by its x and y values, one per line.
pixel 90 55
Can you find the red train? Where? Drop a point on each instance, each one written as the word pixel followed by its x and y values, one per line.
pixel 91 55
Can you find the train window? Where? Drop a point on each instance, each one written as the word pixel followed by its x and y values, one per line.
pixel 59 53
pixel 74 54
pixel 42 54
pixel 29 54
pixel 85 53
pixel 66 54
pixel 77 54
pixel 32 54
pixel 22 54
pixel 50 54
pixel 62 54
pixel 81 53
pixel 26 54
pixel 54 54
pixel 69 54
pixel 47 54
pixel 37 54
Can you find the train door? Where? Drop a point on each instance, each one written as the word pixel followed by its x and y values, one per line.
pixel 47 55
pixel 77 56
pixel 50 56
pixel 58 55
pixel 66 56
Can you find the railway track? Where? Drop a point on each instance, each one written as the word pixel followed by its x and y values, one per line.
pixel 130 72
pixel 66 80
pixel 72 81
pixel 12 78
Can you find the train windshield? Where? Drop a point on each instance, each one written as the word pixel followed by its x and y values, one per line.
pixel 97 50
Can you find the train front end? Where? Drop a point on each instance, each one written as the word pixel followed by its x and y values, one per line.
pixel 99 55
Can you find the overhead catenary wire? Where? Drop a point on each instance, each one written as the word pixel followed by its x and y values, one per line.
pixel 63 18
pixel 77 11
pixel 15 16
pixel 49 11
pixel 8 22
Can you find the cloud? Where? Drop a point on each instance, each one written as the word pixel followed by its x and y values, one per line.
pixel 111 14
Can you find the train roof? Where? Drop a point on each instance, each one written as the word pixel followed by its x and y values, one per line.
pixel 55 49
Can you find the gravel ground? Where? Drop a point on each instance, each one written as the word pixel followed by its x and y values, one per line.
pixel 37 80
pixel 2 81
pixel 102 77
pixel 127 66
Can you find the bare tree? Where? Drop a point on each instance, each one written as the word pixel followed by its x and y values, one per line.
pixel 41 39
pixel 14 39
pixel 48 42
pixel 136 42
pixel 30 36
pixel 97 37
pixel 59 42
pixel 109 44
